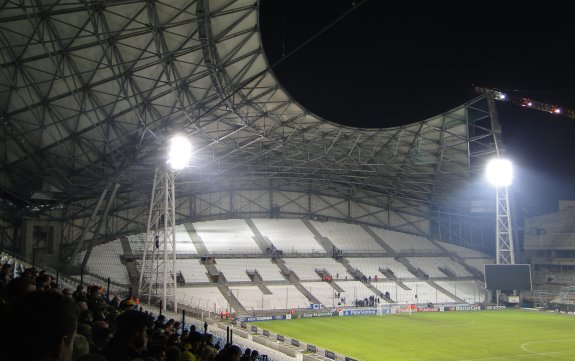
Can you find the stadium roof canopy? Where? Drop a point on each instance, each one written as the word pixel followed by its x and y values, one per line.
pixel 92 91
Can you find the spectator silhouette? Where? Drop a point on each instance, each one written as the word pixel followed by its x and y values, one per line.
pixel 43 282
pixel 101 337
pixel 173 353
pixel 246 355
pixel 229 353
pixel 18 288
pixel 42 327
pixel 80 294
pixel 5 275
pixel 130 339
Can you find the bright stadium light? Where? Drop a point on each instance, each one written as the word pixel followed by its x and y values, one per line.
pixel 180 153
pixel 500 172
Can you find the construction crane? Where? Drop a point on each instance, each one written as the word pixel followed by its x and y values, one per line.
pixel 524 102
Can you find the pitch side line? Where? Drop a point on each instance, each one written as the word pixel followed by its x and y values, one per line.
pixel 547 354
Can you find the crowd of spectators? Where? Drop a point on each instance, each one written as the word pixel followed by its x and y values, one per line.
pixel 40 322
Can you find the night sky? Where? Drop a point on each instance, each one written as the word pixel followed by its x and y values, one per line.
pixel 386 64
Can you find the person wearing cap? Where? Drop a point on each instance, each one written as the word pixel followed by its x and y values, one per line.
pixel 125 305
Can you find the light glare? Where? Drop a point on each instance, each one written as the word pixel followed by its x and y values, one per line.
pixel 180 153
pixel 500 172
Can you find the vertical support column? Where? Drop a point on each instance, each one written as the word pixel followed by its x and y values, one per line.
pixel 309 208
pixel 88 225
pixel 158 275
pixel 171 230
pixel 232 211
pixel 349 201
pixel 148 284
pixel 504 232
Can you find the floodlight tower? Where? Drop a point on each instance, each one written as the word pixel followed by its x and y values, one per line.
pixel 500 174
pixel 158 276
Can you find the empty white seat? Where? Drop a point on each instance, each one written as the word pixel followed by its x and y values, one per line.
pixel 354 290
pixel 462 251
pixel 348 237
pixel 323 291
pixel 407 243
pixel 192 270
pixel 105 262
pixel 231 236
pixel 234 269
pixel 373 264
pixel 265 268
pixel 479 263
pixel 184 244
pixel 288 235
pixel 468 291
pixel 432 265
pixel 306 268
pixel 425 293
pixel 369 266
pixel 286 297
pixel 206 298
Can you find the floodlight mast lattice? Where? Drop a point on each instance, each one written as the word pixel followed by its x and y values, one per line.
pixel 500 174
pixel 158 281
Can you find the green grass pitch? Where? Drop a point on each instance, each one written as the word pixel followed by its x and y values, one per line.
pixel 501 335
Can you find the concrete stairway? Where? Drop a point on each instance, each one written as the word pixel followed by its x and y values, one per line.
pixel 402 285
pixel 294 280
pixel 234 302
pixel 213 273
pixel 263 242
pixel 127 260
pixel 286 272
pixel 448 272
pixel 258 281
pixel 455 257
pixel 306 293
pixel 415 271
pixel 197 240
pixel 357 273
pixel 387 273
pixel 325 242
pixel 435 285
pixel 126 249
pixel 378 240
